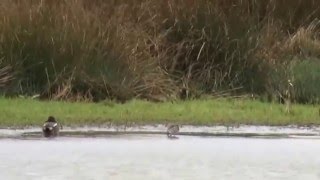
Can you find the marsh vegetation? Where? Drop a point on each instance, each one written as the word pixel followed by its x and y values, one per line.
pixel 160 50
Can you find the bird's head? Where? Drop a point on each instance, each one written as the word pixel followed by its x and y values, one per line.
pixel 51 119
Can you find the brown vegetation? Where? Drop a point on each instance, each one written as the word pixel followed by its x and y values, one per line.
pixel 6 76
pixel 92 50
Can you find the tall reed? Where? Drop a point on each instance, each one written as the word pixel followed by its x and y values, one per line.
pixel 81 50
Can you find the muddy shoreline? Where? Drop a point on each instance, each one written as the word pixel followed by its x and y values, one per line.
pixel 186 130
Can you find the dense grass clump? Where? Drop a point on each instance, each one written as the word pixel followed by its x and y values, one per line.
pixel 5 76
pixel 160 50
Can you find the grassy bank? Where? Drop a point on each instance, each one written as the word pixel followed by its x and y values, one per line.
pixel 27 112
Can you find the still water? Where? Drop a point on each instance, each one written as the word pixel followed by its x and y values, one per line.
pixel 157 157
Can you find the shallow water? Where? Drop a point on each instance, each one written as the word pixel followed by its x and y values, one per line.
pixel 240 131
pixel 157 157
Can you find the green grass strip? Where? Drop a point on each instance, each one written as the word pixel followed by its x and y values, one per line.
pixel 20 112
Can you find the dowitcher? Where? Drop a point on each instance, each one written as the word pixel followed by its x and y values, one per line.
pixel 173 130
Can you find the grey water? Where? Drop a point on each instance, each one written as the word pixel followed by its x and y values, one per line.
pixel 154 156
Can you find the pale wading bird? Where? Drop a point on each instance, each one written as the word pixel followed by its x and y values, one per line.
pixel 172 130
pixel 51 127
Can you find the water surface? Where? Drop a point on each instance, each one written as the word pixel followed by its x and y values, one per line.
pixel 157 157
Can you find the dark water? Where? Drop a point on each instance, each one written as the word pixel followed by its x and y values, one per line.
pixel 157 157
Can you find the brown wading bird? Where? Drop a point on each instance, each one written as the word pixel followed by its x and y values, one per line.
pixel 51 127
pixel 173 130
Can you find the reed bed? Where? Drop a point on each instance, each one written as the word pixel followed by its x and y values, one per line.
pixel 83 50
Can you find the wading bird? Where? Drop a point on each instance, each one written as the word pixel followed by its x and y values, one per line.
pixel 173 130
pixel 51 127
